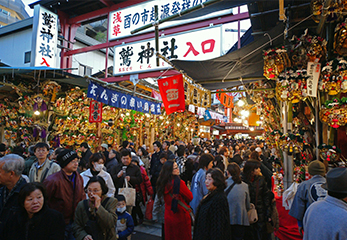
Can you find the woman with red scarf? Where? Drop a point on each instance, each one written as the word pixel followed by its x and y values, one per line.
pixel 177 222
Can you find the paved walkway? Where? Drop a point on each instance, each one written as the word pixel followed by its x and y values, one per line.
pixel 147 230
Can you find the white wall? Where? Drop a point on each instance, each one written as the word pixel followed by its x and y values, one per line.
pixel 13 46
pixel 94 59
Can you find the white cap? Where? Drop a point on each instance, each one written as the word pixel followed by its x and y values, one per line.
pixel 104 145
pixel 258 149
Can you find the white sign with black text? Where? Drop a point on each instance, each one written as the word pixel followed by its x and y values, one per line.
pixel 44 38
pixel 194 45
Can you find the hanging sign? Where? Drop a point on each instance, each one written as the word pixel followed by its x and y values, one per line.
pixel 44 38
pixel 95 111
pixel 207 115
pixel 140 57
pixel 313 72
pixel 225 99
pixel 172 92
pixel 122 100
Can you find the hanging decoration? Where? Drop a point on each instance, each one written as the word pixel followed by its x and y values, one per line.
pixel 275 61
pixel 329 153
pixel 334 112
pixel 291 85
pixel 333 79
pixel 334 12
pixel 172 93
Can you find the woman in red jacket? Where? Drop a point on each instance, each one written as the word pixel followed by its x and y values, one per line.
pixel 177 223
pixel 142 190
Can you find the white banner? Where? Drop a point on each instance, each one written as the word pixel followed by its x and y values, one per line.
pixel 44 38
pixel 194 45
pixel 313 71
pixel 123 21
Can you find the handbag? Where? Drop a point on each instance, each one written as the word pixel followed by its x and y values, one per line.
pixel 149 209
pixel 188 209
pixel 92 227
pixel 129 193
pixel 252 212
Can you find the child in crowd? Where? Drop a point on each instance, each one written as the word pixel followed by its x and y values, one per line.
pixel 125 223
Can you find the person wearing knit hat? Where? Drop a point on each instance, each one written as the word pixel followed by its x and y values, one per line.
pixel 65 188
pixel 309 192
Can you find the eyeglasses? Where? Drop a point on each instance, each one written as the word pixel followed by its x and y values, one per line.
pixel 93 190
pixel 75 161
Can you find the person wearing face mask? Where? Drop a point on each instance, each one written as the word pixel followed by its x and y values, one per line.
pixel 125 223
pixel 96 168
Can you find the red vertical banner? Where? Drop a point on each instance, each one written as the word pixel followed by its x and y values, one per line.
pixel 95 111
pixel 172 93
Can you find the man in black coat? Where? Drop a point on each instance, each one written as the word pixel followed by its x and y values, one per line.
pixel 86 153
pixel 11 167
pixel 127 170
pixel 155 164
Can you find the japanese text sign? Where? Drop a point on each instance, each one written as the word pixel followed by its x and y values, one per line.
pixel 313 72
pixel 123 21
pixel 95 111
pixel 140 57
pixel 122 100
pixel 44 38
pixel 172 92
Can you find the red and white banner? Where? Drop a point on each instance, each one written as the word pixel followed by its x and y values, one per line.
pixel 95 111
pixel 172 93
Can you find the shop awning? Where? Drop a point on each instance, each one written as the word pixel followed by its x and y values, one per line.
pixel 239 67
pixel 55 74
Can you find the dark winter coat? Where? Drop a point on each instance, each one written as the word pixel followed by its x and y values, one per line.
pixel 9 206
pixel 212 217
pixel 85 158
pixel 263 202
pixel 48 224
pixel 133 171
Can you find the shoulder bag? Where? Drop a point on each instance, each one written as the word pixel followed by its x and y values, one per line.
pixel 129 194
pixel 188 209
pixel 252 212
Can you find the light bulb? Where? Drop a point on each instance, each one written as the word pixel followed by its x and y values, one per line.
pixel 37 113
pixel 240 103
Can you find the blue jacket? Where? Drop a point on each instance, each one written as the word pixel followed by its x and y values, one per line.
pixel 198 188
pixel 308 192
pixel 326 219
pixel 125 225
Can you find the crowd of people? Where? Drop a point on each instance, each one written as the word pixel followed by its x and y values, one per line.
pixel 203 191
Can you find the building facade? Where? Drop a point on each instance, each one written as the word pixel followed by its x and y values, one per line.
pixel 12 11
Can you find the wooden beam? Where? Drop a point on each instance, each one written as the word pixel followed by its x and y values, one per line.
pixel 323 17
pixel 141 86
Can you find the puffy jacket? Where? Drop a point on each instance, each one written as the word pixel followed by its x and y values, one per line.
pixel 61 194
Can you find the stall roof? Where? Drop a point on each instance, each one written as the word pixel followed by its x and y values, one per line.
pixel 56 74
